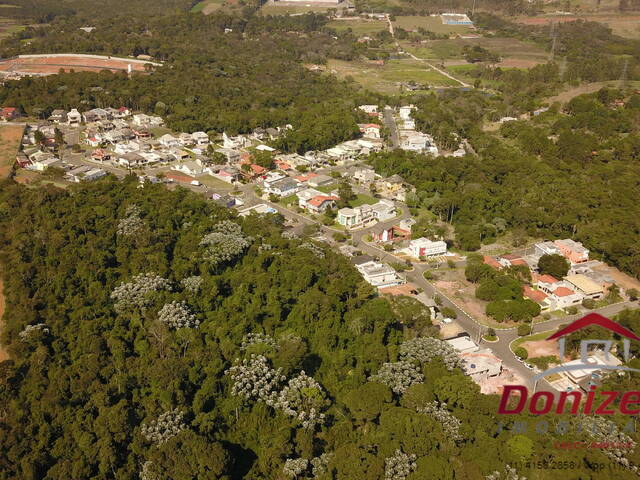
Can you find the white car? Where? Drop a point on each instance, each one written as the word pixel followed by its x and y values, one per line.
pixel 447 320
pixel 528 365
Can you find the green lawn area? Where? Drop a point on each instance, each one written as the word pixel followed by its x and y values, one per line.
pixel 327 188
pixel 208 6
pixel 387 78
pixel 362 199
pixel 359 27
pixel 531 338
pixel 432 24
pixel 216 183
pixel 274 9
pixel 291 200
pixel 159 131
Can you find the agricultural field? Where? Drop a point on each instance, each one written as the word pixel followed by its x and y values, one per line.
pixel 9 27
pixel 387 79
pixel 10 136
pixel 52 64
pixel 432 24
pixel 359 26
pixel 515 53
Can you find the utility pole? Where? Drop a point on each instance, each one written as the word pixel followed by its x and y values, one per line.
pixel 623 75
pixel 473 9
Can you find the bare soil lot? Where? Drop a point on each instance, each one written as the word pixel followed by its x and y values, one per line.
pixel 52 65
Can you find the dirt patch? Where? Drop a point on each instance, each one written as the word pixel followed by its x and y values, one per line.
pixel 495 385
pixel 567 95
pixel 52 65
pixel 541 348
pixel 10 136
pixel 621 279
pixel 519 63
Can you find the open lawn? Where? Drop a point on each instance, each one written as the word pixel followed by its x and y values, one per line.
pixel 362 199
pixel 432 24
pixel 388 77
pixel 10 136
pixel 359 27
pixel 282 8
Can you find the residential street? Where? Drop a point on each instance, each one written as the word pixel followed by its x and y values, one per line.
pixel 390 123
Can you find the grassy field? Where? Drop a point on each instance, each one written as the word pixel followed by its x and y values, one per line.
pixel 386 79
pixel 362 199
pixel 432 24
pixel 210 6
pixel 10 136
pixel 359 27
pixel 271 8
pixel 514 53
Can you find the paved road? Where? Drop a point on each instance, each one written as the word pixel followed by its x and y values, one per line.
pixel 390 122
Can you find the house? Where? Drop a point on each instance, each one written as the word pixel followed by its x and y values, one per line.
pixel 74 117
pixel 100 155
pixel 320 203
pixel 227 174
pixel 95 115
pixel 349 217
pixel 481 364
pixel 94 139
pixel 537 296
pixel 283 187
pixel 563 297
pixel 58 116
pixel 492 262
pixel 190 168
pixel 384 234
pixel 169 140
pixel 306 194
pixel 585 286
pixel 417 142
pixel 123 112
pixel 364 175
pixel 201 139
pixel 548 284
pixel 319 180
pixel 511 260
pixel 406 224
pixel 423 247
pixel 574 251
pixel 235 142
pixel 9 113
pixel 230 154
pixel 369 109
pixel 40 161
pixel 546 248
pixel 131 159
pixel 85 173
pixel 383 210
pixel 406 111
pixel 370 130
pixel 377 274
pixel 463 344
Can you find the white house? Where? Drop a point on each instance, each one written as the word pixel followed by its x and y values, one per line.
pixel 190 168
pixel 369 108
pixel 423 247
pixel 74 117
pixel 283 187
pixel 364 175
pixel 201 139
pixel 564 297
pixel 405 112
pixel 379 274
pixel 370 130
pixel 169 140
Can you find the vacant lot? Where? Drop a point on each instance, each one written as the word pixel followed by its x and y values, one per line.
pixel 54 63
pixel 10 136
pixel 210 6
pixel 570 93
pixel 514 53
pixel 388 78
pixel 432 24
pixel 360 26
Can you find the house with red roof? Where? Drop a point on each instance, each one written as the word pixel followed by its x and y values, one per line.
pixel 511 260
pixel 537 296
pixel 492 262
pixel 563 297
pixel 320 203
pixel 370 130
pixel 547 283
pixel 9 113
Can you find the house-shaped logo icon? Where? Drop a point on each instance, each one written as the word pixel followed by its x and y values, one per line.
pixel 599 320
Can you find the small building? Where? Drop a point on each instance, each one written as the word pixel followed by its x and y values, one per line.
pixel 537 296
pixel 492 262
pixel 379 274
pixel 9 113
pixel 74 117
pixel 370 130
pixel 548 283
pixel 564 297
pixel 574 251
pixel 201 139
pixel 585 286
pixel 481 364
pixel 319 180
pixel 320 203
pixel 423 247
pixel 283 187
pixel 58 116
pixel 364 175
pixel 463 344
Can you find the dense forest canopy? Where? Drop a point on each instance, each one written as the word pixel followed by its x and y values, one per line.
pixel 153 335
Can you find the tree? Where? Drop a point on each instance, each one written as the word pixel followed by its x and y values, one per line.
pixel 521 352
pixel 633 294
pixel 367 402
pixel 448 312
pixel 345 192
pixel 554 265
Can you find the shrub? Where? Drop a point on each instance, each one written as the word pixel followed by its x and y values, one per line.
pixel 523 330
pixel 449 312
pixel 521 352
